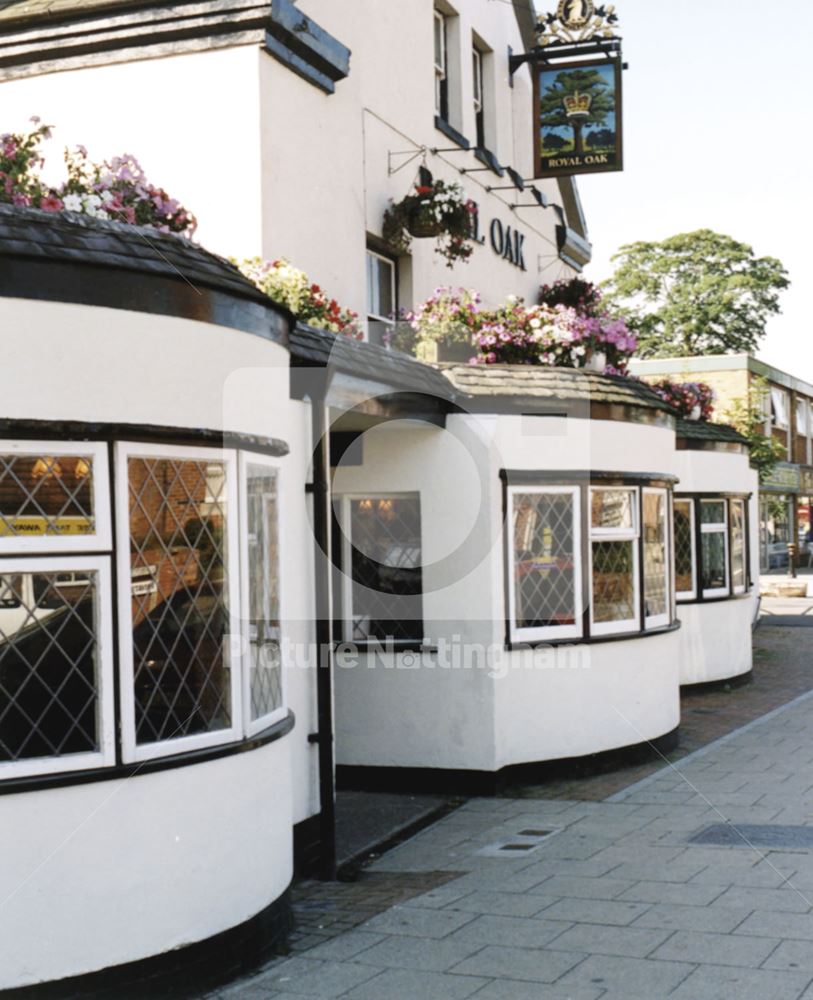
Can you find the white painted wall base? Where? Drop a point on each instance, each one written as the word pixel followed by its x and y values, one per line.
pixel 715 641
pixel 118 871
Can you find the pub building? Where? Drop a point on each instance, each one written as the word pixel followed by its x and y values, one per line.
pixel 238 554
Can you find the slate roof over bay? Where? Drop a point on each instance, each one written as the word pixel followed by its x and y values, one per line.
pixel 703 430
pixel 71 237
pixel 368 361
pixel 531 382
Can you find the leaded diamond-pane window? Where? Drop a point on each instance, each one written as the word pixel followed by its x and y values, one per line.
pixel 613 582
pixel 714 547
pixel 386 565
pixel 178 537
pixel 53 492
pixel 684 548
pixel 49 664
pixel 265 684
pixel 545 559
pixel 613 509
pixel 656 596
pixel 614 517
pixel 738 569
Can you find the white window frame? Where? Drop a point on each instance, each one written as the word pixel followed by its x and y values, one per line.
pixel 782 409
pixel 132 751
pixel 254 726
pixel 344 503
pixel 660 621
pixel 734 588
pixel 373 317
pixel 687 595
pixel 717 527
pixel 105 756
pixel 99 540
pixel 477 79
pixel 803 405
pixel 442 67
pixel 617 535
pixel 547 632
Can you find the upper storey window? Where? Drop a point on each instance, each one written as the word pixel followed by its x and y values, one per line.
pixel 441 67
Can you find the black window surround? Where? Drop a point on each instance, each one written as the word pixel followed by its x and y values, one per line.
pixel 583 482
pixel 63 436
pixel 698 592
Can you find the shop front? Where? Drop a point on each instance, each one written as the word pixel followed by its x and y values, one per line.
pixel 780 500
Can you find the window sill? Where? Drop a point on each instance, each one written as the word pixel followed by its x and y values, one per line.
pixel 594 640
pixel 451 133
pixel 486 157
pixel 715 600
pixel 347 646
pixel 10 786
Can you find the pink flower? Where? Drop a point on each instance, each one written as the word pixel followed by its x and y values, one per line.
pixel 50 203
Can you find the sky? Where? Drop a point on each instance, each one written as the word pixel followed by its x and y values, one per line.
pixel 718 129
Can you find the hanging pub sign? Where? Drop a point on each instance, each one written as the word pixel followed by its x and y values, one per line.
pixel 577 125
pixel 576 68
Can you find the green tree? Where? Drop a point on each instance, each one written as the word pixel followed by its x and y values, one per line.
pixel 747 415
pixel 587 82
pixel 695 293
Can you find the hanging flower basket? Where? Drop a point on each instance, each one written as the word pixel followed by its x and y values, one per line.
pixel 437 210
pixel 422 224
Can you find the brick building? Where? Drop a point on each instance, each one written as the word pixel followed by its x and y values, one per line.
pixel 787 497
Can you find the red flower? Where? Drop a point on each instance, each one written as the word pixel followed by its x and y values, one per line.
pixel 51 204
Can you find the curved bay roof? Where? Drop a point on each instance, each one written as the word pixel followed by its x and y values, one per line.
pixel 702 430
pixel 71 237
pixel 529 382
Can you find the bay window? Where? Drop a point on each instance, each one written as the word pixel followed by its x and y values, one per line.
pixel 614 560
pixel 56 647
pixel 657 590
pixel 717 566
pixel 545 565
pixel 196 572
pixel 587 562
pixel 685 563
pixel 714 548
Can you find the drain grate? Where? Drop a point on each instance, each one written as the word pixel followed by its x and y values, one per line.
pixel 531 840
pixel 745 835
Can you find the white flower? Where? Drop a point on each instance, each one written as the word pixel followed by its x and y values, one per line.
pixel 536 323
pixel 92 201
pixel 107 197
pixel 72 203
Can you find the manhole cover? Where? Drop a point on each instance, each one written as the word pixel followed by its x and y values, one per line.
pixel 745 835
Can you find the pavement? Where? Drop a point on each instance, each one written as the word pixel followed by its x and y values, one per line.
pixel 694 883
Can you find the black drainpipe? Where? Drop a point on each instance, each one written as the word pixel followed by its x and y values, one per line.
pixel 324 623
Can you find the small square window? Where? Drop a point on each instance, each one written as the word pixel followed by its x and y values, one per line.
pixel 53 497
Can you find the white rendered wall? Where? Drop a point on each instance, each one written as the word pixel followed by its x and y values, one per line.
pixel 716 638
pixel 112 872
pixel 340 167
pixel 482 708
pixel 192 121
pixel 570 701
pixel 74 362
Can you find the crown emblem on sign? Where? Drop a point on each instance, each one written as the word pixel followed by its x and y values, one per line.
pixel 576 21
pixel 577 105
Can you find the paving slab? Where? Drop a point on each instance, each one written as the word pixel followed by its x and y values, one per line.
pixel 529 965
pixel 725 983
